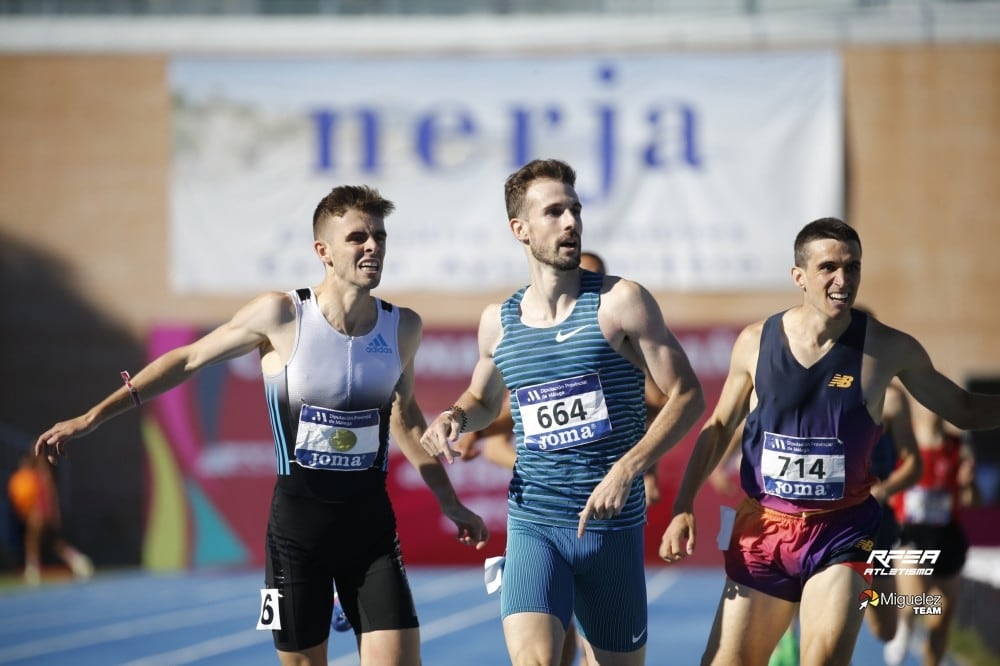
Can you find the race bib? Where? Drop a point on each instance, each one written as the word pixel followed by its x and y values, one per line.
pixel 928 506
pixel 803 468
pixel 270 610
pixel 564 413
pixel 335 440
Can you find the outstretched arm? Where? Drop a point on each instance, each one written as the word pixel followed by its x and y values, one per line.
pixel 249 328
pixel 964 409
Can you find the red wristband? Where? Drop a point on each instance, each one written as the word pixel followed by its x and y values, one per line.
pixel 131 389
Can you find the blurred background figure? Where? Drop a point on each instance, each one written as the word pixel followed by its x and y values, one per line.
pixel 35 501
pixel 929 516
pixel 897 464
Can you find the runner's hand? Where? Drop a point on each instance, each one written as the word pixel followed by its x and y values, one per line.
pixel 471 528
pixel 52 442
pixel 680 529
pixel 607 500
pixel 440 435
pixel 466 446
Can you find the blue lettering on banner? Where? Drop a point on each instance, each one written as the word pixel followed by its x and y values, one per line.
pixel 672 135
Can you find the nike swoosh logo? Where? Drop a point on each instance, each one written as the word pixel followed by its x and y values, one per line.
pixel 636 639
pixel 562 337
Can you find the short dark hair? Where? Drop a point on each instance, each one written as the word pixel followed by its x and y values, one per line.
pixel 821 229
pixel 351 197
pixel 518 182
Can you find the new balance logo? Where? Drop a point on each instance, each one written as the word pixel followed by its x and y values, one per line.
pixel 841 381
pixel 562 337
pixel 378 346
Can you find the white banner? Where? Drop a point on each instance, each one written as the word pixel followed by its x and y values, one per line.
pixel 696 170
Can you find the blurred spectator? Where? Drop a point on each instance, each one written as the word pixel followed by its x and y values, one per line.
pixel 35 500
pixel 928 514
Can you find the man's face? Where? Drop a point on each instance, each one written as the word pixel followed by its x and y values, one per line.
pixel 551 224
pixel 355 246
pixel 831 277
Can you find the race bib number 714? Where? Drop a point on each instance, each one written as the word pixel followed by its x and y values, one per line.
pixel 802 468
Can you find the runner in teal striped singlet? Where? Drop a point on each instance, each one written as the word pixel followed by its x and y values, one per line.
pixel 565 454
pixel 572 349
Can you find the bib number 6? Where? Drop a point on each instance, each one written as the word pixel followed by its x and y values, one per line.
pixel 270 610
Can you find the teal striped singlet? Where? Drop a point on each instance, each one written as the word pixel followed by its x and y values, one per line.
pixel 578 406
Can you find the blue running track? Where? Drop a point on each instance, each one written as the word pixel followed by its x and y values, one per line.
pixel 206 617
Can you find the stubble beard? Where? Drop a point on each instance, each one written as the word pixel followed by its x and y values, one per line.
pixel 554 259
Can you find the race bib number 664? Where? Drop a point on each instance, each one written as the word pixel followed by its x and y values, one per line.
pixel 564 413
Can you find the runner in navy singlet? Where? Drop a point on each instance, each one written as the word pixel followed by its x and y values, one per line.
pixel 811 384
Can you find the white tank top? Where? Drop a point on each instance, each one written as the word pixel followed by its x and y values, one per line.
pixel 329 407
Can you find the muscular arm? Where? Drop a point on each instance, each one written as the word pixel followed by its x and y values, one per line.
pixel 911 363
pixel 481 401
pixel 249 329
pixel 713 442
pixel 496 440
pixel 631 321
pixel 646 340
pixel 720 429
pixel 407 425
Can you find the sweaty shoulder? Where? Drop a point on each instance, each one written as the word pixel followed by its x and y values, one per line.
pixel 410 320
pixel 891 344
pixel 892 351
pixel 490 329
pixel 624 302
pixel 410 330
pixel 747 347
pixel 621 292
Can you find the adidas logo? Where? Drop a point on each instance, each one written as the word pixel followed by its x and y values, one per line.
pixel 378 346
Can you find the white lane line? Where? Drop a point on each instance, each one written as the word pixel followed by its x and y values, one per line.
pixel 74 610
pixel 205 649
pixel 125 629
pixel 660 583
pixel 458 621
pixel 446 586
pixel 444 626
